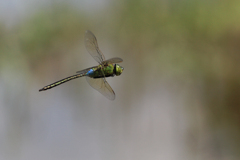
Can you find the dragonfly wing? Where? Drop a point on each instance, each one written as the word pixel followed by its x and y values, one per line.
pixel 113 60
pixel 102 86
pixel 92 46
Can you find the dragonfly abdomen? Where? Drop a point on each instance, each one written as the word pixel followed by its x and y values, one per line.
pixel 61 82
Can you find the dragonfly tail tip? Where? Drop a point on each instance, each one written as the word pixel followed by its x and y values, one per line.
pixel 41 90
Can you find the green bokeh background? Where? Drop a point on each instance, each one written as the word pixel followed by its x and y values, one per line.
pixel 178 97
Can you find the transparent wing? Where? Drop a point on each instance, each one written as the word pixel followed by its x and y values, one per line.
pixel 102 86
pixel 86 70
pixel 92 47
pixel 113 60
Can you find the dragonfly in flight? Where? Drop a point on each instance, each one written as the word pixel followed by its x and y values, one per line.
pixel 96 75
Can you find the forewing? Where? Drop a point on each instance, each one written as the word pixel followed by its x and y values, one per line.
pixel 113 60
pixel 92 46
pixel 101 86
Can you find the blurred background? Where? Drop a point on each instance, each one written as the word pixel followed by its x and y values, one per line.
pixel 177 99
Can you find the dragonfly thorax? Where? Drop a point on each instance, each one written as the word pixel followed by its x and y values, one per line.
pixel 109 70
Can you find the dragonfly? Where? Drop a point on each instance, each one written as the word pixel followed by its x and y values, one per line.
pixel 96 75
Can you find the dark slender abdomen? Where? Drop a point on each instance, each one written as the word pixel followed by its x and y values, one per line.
pixel 61 82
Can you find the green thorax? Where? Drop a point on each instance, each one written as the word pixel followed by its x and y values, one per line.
pixel 106 70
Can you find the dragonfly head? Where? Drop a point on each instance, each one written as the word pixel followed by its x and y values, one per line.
pixel 118 69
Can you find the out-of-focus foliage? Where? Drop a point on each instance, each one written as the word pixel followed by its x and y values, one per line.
pixel 53 30
pixel 197 44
